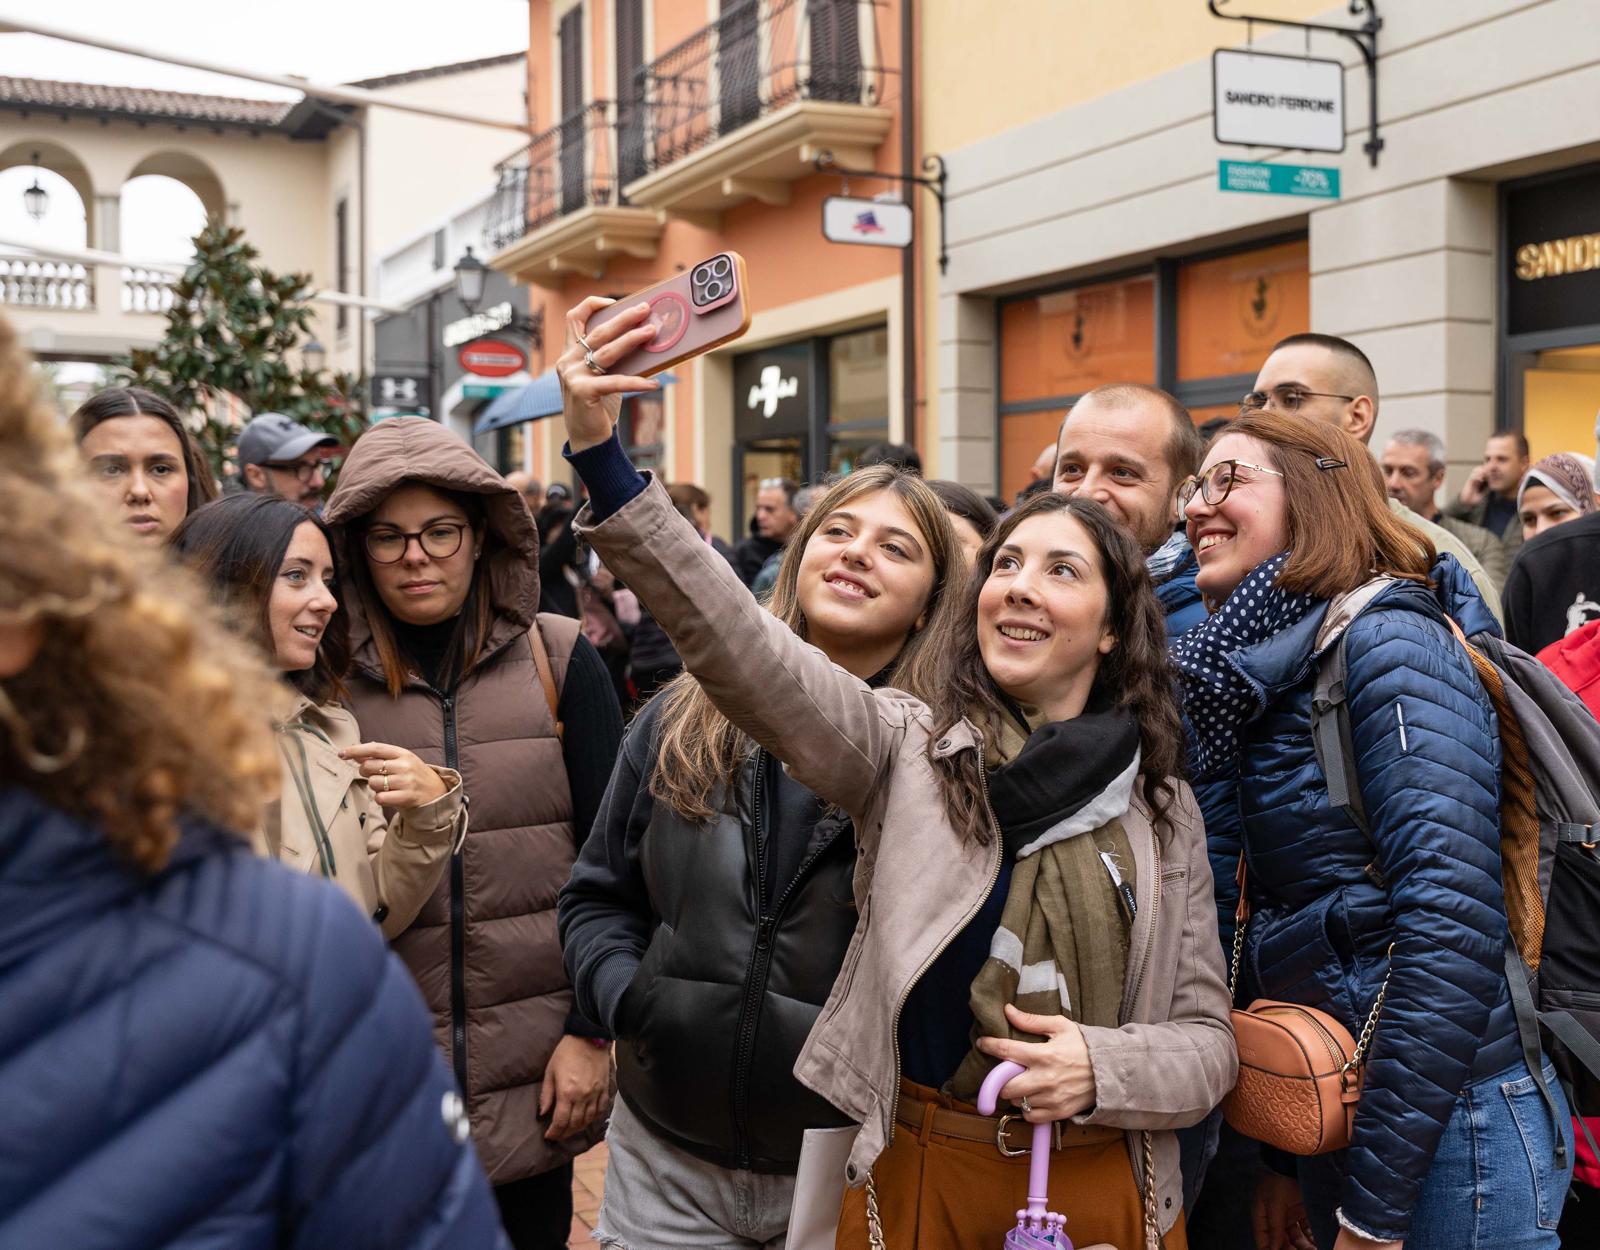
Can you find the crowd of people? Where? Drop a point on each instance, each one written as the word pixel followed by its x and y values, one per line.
pixel 914 782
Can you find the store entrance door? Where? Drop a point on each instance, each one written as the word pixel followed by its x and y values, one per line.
pixel 772 421
pixel 1559 398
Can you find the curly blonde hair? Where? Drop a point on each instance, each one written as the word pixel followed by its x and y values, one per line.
pixel 140 706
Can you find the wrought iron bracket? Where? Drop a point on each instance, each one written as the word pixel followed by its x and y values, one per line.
pixel 935 182
pixel 531 328
pixel 1365 38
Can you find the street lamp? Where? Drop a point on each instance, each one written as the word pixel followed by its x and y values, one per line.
pixel 36 200
pixel 315 355
pixel 471 274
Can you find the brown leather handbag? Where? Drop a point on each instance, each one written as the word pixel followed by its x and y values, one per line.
pixel 1299 1069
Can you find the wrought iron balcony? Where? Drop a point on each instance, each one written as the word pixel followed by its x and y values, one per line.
pixel 753 61
pixel 557 206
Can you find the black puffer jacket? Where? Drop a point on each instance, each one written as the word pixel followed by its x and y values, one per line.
pixel 710 951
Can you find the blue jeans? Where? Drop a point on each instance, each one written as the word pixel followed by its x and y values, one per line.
pixel 1494 1184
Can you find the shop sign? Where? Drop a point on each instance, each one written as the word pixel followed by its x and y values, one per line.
pixel 399 390
pixel 1264 100
pixel 1553 254
pixel 490 358
pixel 770 392
pixel 1318 182
pixel 876 223
pixel 477 325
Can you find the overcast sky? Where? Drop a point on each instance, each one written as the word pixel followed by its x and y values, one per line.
pixel 323 40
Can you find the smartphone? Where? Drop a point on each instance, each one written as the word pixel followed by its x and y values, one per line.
pixel 695 311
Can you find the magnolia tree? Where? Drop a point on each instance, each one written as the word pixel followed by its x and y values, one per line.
pixel 231 330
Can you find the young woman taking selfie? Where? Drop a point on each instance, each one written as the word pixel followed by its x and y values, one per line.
pixel 371 817
pixel 1452 1143
pixel 718 888
pixel 1028 819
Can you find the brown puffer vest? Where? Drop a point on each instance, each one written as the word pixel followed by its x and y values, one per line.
pixel 484 949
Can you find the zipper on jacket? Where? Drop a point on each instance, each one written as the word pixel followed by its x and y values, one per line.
pixel 458 917
pixel 755 983
pixel 894 1024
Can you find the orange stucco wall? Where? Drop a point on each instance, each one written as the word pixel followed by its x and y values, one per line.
pixel 785 254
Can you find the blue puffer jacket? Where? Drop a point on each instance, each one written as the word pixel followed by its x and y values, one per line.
pixel 1428 755
pixel 222 1054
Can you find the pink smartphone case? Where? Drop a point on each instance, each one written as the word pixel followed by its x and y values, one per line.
pixel 687 329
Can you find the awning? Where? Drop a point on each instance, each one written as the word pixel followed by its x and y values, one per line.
pixel 539 398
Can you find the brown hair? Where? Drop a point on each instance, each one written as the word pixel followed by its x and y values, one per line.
pixel 1341 531
pixel 686 495
pixel 699 749
pixel 473 622
pixel 237 544
pixel 135 401
pixel 140 705
pixel 1136 675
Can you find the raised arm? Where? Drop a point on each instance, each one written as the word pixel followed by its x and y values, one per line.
pixel 826 725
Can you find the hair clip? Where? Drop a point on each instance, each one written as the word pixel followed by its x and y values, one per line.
pixel 1328 462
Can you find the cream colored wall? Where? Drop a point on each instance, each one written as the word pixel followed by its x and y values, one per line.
pixel 1472 92
pixel 274 188
pixel 422 168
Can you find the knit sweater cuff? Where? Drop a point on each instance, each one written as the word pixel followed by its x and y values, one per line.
pixel 608 473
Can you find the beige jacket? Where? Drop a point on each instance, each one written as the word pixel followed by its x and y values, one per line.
pixel 388 862
pixel 918 881
pixel 1446 543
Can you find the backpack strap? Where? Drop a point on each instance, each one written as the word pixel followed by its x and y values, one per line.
pixel 1528 1021
pixel 1332 739
pixel 548 627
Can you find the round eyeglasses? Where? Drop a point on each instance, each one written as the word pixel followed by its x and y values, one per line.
pixel 440 541
pixel 1217 482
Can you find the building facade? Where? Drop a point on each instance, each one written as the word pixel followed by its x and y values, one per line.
pixel 667 131
pixel 1090 241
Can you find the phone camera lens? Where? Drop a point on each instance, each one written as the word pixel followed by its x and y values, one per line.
pixel 714 290
pixel 720 266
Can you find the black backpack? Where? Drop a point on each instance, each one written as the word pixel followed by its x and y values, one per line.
pixel 1549 825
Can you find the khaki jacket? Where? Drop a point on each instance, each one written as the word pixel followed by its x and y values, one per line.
pixel 918 881
pixel 1447 543
pixel 389 862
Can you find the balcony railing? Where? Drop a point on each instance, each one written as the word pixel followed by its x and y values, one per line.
pixel 146 290
pixel 570 166
pixel 49 284
pixel 753 60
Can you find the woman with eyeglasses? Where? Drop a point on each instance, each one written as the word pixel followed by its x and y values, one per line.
pixel 1386 911
pixel 370 817
pixel 453 661
pixel 1030 873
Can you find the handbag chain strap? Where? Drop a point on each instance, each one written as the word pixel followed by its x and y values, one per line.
pixel 874 1221
pixel 1241 919
pixel 1152 1231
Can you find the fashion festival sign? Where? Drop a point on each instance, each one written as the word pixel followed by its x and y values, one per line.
pixel 1263 100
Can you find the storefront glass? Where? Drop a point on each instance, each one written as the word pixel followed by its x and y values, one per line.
pixel 1069 342
pixel 642 429
pixel 858 395
pixel 1232 309
pixel 1561 399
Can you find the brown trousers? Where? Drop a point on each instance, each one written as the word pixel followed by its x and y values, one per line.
pixel 939 1192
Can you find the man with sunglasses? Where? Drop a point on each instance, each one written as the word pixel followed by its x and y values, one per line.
pixel 279 456
pixel 1330 379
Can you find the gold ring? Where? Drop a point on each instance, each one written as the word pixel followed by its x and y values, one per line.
pixel 384 777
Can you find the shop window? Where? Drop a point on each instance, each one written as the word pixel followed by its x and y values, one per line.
pixel 1560 396
pixel 1232 309
pixel 858 396
pixel 642 430
pixel 1064 343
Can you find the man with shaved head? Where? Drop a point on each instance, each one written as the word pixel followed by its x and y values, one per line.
pixel 1128 447
pixel 1330 379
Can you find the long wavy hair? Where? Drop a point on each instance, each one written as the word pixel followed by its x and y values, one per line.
pixel 699 750
pixel 237 544
pixel 1136 675
pixel 140 704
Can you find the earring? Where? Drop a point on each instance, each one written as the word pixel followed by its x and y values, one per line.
pixel 22 739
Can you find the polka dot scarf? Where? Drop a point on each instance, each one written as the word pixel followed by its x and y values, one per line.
pixel 1217 698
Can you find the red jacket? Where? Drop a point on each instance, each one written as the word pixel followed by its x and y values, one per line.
pixel 1575 659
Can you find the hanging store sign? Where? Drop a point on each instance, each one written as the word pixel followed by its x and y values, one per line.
pixel 1317 182
pixel 478 324
pixel 490 358
pixel 876 223
pixel 1263 100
